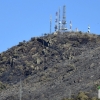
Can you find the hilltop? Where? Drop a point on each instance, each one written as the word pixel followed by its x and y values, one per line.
pixel 51 66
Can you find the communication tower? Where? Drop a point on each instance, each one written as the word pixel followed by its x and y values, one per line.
pixel 70 26
pixel 64 19
pixel 88 29
pixel 59 20
pixel 56 22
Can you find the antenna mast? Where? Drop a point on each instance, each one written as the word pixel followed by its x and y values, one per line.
pixel 64 19
pixel 59 20
pixel 88 29
pixel 56 22
pixel 50 23
pixel 70 26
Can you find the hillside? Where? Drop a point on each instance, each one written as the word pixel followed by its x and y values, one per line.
pixel 51 67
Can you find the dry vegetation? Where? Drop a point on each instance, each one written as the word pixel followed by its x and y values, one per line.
pixel 65 61
pixel 81 96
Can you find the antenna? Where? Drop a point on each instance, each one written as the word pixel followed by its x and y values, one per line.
pixel 20 92
pixel 59 20
pixel 50 23
pixel 64 19
pixel 70 26
pixel 88 29
pixel 56 22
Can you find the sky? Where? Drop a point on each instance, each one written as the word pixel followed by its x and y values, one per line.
pixel 22 19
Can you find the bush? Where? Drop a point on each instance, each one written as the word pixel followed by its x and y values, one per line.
pixel 2 86
pixel 82 96
pixel 20 44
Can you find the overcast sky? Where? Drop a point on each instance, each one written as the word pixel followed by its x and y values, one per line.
pixel 22 19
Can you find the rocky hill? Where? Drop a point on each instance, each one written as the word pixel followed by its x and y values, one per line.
pixel 51 67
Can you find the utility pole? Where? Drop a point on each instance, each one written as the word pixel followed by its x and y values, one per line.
pixel 64 19
pixel 69 93
pixel 20 90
